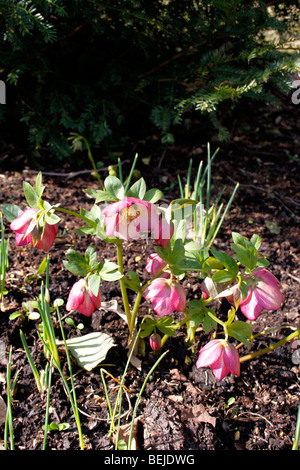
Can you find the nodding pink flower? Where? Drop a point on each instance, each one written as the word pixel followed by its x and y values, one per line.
pixel 82 299
pixel 155 341
pixel 155 264
pixel 263 294
pixel 221 356
pixel 27 231
pixel 166 296
pixel 128 218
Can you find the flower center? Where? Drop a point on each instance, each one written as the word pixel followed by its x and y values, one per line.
pixel 128 214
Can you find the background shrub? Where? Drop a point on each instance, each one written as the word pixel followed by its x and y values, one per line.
pixel 113 69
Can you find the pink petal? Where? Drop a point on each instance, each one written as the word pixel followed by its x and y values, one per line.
pixel 219 369
pixel 48 238
pixel 76 295
pixel 178 297
pixel 21 241
pixel 250 307
pixel 87 307
pixel 96 300
pixel 154 289
pixel 210 353
pixel 154 264
pixel 231 359
pixel 22 221
pixel 115 207
pixel 267 291
pixel 111 223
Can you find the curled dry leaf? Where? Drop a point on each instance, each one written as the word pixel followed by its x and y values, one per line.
pixel 197 413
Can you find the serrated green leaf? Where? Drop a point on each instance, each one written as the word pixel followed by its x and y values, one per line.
pixel 256 241
pixel 91 257
pixel 76 263
pixel 247 256
pixel 166 325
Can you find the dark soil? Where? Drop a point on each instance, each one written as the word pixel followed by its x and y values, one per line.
pixel 182 408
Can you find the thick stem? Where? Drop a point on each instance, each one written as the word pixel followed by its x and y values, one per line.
pixel 123 287
pixel 270 348
pixel 76 214
pixel 135 310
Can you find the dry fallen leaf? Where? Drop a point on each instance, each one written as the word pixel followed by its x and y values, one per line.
pixel 198 414
pixel 124 433
pixel 2 411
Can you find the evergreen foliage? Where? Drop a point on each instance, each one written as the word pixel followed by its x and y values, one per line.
pixel 94 67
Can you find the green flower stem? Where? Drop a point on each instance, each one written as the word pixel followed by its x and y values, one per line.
pixel 76 214
pixel 186 319
pixel 119 246
pixel 270 348
pixel 135 310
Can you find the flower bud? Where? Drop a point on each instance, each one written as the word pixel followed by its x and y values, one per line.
pixel 155 341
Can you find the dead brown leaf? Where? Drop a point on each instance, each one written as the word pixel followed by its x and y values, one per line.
pixel 198 414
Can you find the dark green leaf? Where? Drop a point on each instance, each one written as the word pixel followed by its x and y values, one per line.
pixel 76 263
pixel 241 331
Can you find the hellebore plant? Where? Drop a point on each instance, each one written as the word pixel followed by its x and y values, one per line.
pixel 182 233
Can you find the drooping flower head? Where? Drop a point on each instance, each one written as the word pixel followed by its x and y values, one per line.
pixel 166 296
pixel 81 298
pixel 263 294
pixel 221 356
pixel 128 218
pixel 155 264
pixel 133 218
pixel 28 231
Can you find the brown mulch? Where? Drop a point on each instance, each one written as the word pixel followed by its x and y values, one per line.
pixel 182 408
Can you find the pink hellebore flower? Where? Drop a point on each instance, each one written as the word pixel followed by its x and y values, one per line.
pixel 82 299
pixel 263 293
pixel 221 356
pixel 27 231
pixel 128 218
pixel 166 296
pixel 155 264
